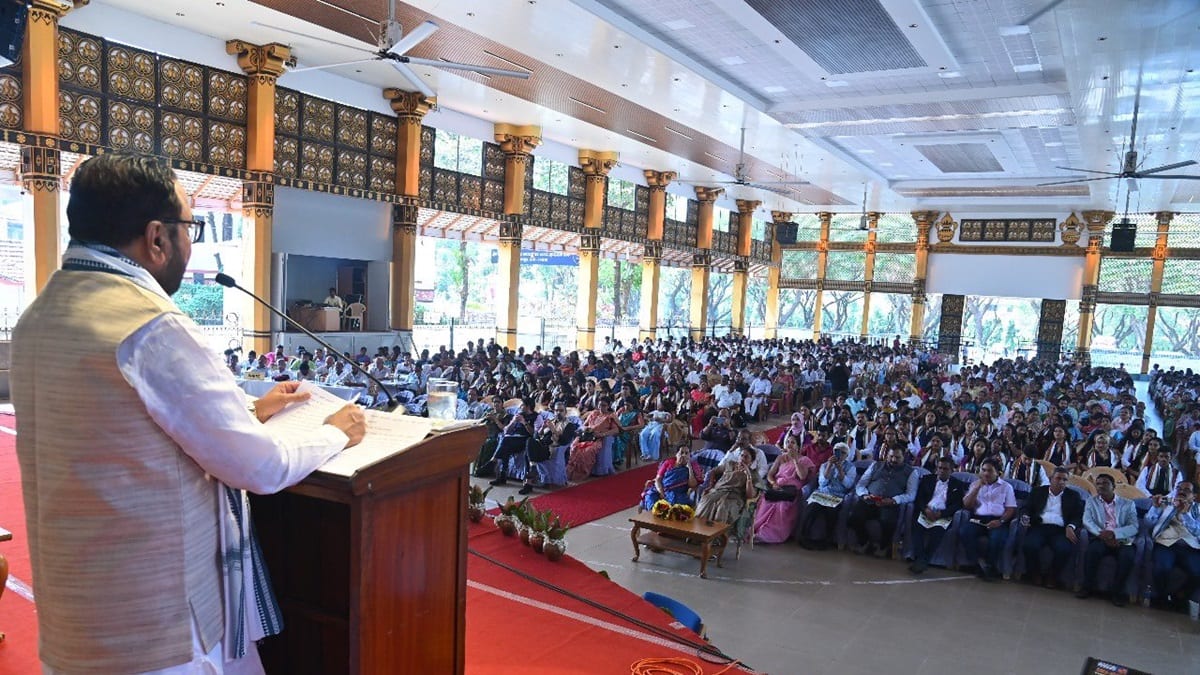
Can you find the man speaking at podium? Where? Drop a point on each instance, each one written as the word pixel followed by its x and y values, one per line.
pixel 142 557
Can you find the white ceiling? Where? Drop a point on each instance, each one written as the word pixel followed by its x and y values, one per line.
pixel 1058 94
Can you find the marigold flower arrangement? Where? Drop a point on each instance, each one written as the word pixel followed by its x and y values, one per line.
pixel 682 512
pixel 661 509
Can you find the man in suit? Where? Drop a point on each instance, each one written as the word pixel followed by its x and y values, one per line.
pixel 1052 517
pixel 1112 523
pixel 1176 536
pixel 938 499
pixel 884 488
pixel 131 468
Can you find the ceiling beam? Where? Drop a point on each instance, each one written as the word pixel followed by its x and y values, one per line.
pixel 941 96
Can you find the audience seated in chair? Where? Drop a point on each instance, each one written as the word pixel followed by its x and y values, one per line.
pixel 1052 517
pixel 676 480
pixel 733 486
pixel 938 498
pixel 835 481
pixel 992 506
pixel 1175 532
pixel 884 488
pixel 1112 524
pixel 779 506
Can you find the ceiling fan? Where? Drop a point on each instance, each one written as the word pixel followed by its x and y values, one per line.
pixel 740 177
pixel 1129 164
pixel 393 45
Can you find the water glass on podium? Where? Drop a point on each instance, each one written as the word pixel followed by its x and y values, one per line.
pixel 442 399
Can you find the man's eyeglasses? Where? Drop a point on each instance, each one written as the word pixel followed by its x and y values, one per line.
pixel 195 227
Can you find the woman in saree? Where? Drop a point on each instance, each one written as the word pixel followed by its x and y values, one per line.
pixel 776 515
pixel 629 419
pixel 601 424
pixel 653 433
pixel 734 486
pixel 677 477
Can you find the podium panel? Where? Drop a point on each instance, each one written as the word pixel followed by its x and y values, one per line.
pixel 371 571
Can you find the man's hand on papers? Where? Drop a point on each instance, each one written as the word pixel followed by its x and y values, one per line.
pixel 351 420
pixel 278 398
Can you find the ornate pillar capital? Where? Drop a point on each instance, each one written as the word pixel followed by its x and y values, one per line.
pixel 404 217
pixel 596 163
pixel 1097 221
pixel 589 243
pixel 50 11
pixel 40 168
pixel 409 105
pixel 781 216
pixel 747 205
pixel 652 252
pixel 511 232
pixel 658 180
pixel 945 229
pixel 518 139
pixel 702 259
pixel 261 62
pixel 1164 219
pixel 707 194
pixel 825 217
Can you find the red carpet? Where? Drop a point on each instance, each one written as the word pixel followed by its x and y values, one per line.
pixel 598 497
pixel 513 625
pixel 516 626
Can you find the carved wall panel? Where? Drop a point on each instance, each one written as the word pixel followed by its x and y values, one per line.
pixel 493 196
pixel 316 162
pixel 1015 229
pixel 351 127
pixel 226 144
pixel 383 174
pixel 182 136
pixel 131 127
pixel 316 118
pixel 11 111
pixel 226 95
pixel 287 156
pixel 1050 329
pixel 352 169
pixel 950 328
pixel 287 112
pixel 383 137
pixel 182 85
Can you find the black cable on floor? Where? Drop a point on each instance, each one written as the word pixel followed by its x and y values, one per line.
pixel 707 652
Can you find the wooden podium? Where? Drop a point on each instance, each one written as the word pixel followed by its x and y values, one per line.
pixel 371 570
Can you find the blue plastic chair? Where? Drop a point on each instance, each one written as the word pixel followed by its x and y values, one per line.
pixel 679 611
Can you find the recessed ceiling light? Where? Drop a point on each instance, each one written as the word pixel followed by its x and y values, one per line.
pixel 641 135
pixel 886 164
pixel 837 83
pixel 587 105
pixel 716 157
pixel 733 60
pixel 774 89
pixel 1101 39
pixel 678 24
pixel 912 25
pixel 949 74
pixel 178 13
pixel 866 151
pixel 678 133
pixel 470 13
pixel 1053 144
pixel 1028 68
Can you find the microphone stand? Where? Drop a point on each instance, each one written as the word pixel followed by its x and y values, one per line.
pixel 229 282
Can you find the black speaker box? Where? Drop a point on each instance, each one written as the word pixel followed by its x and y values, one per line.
pixel 785 233
pixel 13 14
pixel 1123 236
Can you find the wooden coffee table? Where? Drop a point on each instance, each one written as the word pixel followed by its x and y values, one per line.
pixel 694 537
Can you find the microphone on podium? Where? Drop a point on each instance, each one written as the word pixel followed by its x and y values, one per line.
pixel 229 282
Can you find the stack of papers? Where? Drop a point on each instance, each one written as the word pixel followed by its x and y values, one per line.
pixel 387 433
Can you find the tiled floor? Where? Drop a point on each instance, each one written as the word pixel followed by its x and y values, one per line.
pixel 784 610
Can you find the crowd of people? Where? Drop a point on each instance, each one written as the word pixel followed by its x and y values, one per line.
pixel 887 433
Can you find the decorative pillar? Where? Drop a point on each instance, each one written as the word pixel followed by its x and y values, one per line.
pixel 40 112
pixel 651 273
pixel 706 198
pixel 702 260
pixel 923 220
pixel 741 277
pixel 950 327
pixel 1096 221
pixel 869 272
pixel 701 269
pixel 517 142
pixel 508 279
pixel 588 283
pixel 1050 328
pixel 658 182
pixel 263 64
pixel 596 166
pixel 1156 280
pixel 741 268
pixel 773 272
pixel 822 262
pixel 410 108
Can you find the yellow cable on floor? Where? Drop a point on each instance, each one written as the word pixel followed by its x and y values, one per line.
pixel 672 666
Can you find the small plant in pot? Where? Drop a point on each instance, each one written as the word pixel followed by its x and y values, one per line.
pixel 476 498
pixel 555 545
pixel 507 521
pixel 525 516
pixel 540 526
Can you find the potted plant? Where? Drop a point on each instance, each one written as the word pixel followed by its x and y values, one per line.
pixel 540 526
pixel 476 498
pixel 525 516
pixel 506 521
pixel 555 545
